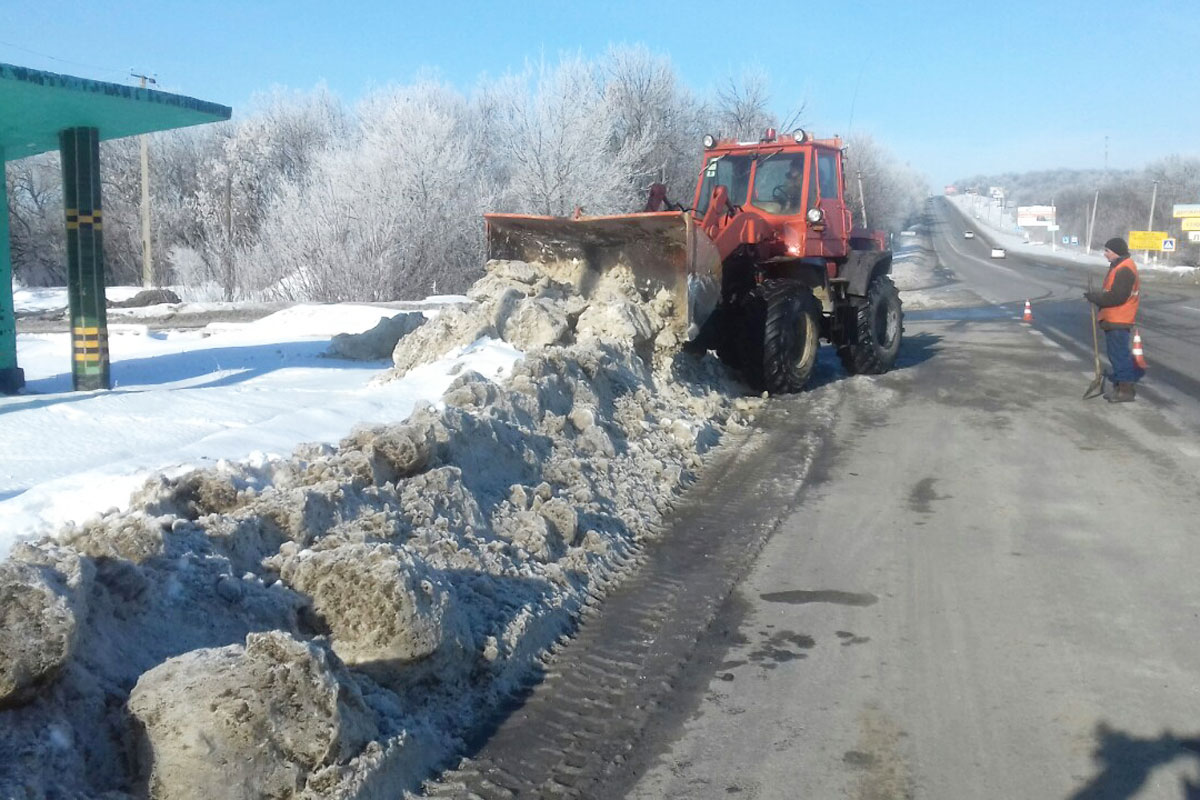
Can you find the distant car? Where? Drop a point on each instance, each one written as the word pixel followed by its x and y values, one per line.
pixel 998 252
pixel 968 234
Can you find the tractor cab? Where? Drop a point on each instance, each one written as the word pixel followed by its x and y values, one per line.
pixel 792 182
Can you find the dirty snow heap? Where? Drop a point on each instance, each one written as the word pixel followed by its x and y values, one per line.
pixel 334 624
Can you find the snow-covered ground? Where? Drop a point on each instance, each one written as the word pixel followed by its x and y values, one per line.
pixel 1001 228
pixel 191 398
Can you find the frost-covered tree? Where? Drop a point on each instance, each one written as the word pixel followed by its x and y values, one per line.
pixel 35 212
pixel 892 192
pixel 564 143
pixel 743 106
pixel 651 109
pixel 393 215
pixel 248 163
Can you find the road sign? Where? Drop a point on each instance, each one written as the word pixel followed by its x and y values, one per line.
pixel 1168 245
pixel 1074 240
pixel 1194 236
pixel 1147 240
pixel 1186 210
pixel 1051 227
pixel 1066 240
pixel 1190 223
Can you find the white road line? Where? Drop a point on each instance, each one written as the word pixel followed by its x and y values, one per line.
pixel 1060 351
pixel 1189 308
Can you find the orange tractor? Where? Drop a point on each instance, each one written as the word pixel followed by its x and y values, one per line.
pixel 766 262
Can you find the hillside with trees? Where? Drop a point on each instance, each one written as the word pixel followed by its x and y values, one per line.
pixel 1122 198
pixel 302 197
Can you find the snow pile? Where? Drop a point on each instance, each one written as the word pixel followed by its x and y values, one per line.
pixel 537 307
pixel 378 343
pixel 283 700
pixel 334 624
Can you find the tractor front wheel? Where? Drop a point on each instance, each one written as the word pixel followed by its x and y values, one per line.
pixel 878 329
pixel 782 336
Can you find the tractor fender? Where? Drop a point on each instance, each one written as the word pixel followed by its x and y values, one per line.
pixel 861 267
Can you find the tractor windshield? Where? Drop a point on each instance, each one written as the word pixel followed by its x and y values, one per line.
pixel 732 172
pixel 779 184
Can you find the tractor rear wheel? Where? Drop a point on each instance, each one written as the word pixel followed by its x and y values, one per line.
pixel 879 327
pixel 782 334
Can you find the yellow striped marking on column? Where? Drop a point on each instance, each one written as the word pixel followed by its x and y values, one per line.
pixel 90 343
pixel 75 219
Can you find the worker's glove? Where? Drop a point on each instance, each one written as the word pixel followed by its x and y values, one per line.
pixel 1091 297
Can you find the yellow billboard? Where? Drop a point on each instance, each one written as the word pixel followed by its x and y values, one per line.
pixel 1147 240
pixel 1191 223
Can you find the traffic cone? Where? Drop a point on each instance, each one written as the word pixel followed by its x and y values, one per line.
pixel 1139 358
pixel 1028 315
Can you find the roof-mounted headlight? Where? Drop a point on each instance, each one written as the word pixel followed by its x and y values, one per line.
pixel 709 140
pixel 800 135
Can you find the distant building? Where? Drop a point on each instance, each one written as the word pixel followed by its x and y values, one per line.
pixel 1039 222
pixel 951 190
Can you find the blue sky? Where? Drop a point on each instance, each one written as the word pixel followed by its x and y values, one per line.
pixel 1002 86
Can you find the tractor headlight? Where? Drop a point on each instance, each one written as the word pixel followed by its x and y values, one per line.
pixel 800 135
pixel 709 140
pixel 814 215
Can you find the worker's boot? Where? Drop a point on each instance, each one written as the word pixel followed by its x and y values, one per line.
pixel 1122 393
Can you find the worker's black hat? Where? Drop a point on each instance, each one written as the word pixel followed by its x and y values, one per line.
pixel 1118 246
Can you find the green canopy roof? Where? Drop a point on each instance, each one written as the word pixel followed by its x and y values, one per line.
pixel 36 105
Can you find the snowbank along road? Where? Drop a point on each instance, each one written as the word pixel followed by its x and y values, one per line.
pixel 339 622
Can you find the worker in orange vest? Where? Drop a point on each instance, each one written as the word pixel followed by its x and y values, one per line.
pixel 1118 302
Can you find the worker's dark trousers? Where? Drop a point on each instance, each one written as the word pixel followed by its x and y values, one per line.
pixel 1119 342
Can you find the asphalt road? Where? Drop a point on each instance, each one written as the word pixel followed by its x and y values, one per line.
pixel 988 589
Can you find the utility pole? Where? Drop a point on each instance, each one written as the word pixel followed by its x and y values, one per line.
pixel 1096 200
pixel 1092 223
pixel 1150 222
pixel 147 261
pixel 228 255
pixel 862 199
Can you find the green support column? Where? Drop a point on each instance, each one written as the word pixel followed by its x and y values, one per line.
pixel 80 149
pixel 12 377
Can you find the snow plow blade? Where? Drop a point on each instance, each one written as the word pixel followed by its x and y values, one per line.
pixel 662 249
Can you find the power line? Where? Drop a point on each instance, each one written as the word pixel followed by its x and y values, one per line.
pixel 104 70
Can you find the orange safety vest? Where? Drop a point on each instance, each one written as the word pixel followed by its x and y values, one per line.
pixel 1125 313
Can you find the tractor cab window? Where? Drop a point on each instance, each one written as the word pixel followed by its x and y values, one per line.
pixel 732 172
pixel 779 184
pixel 827 175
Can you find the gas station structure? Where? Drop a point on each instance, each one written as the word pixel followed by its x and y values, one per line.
pixel 43 111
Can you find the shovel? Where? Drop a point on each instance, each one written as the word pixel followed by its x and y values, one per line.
pixel 1096 388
